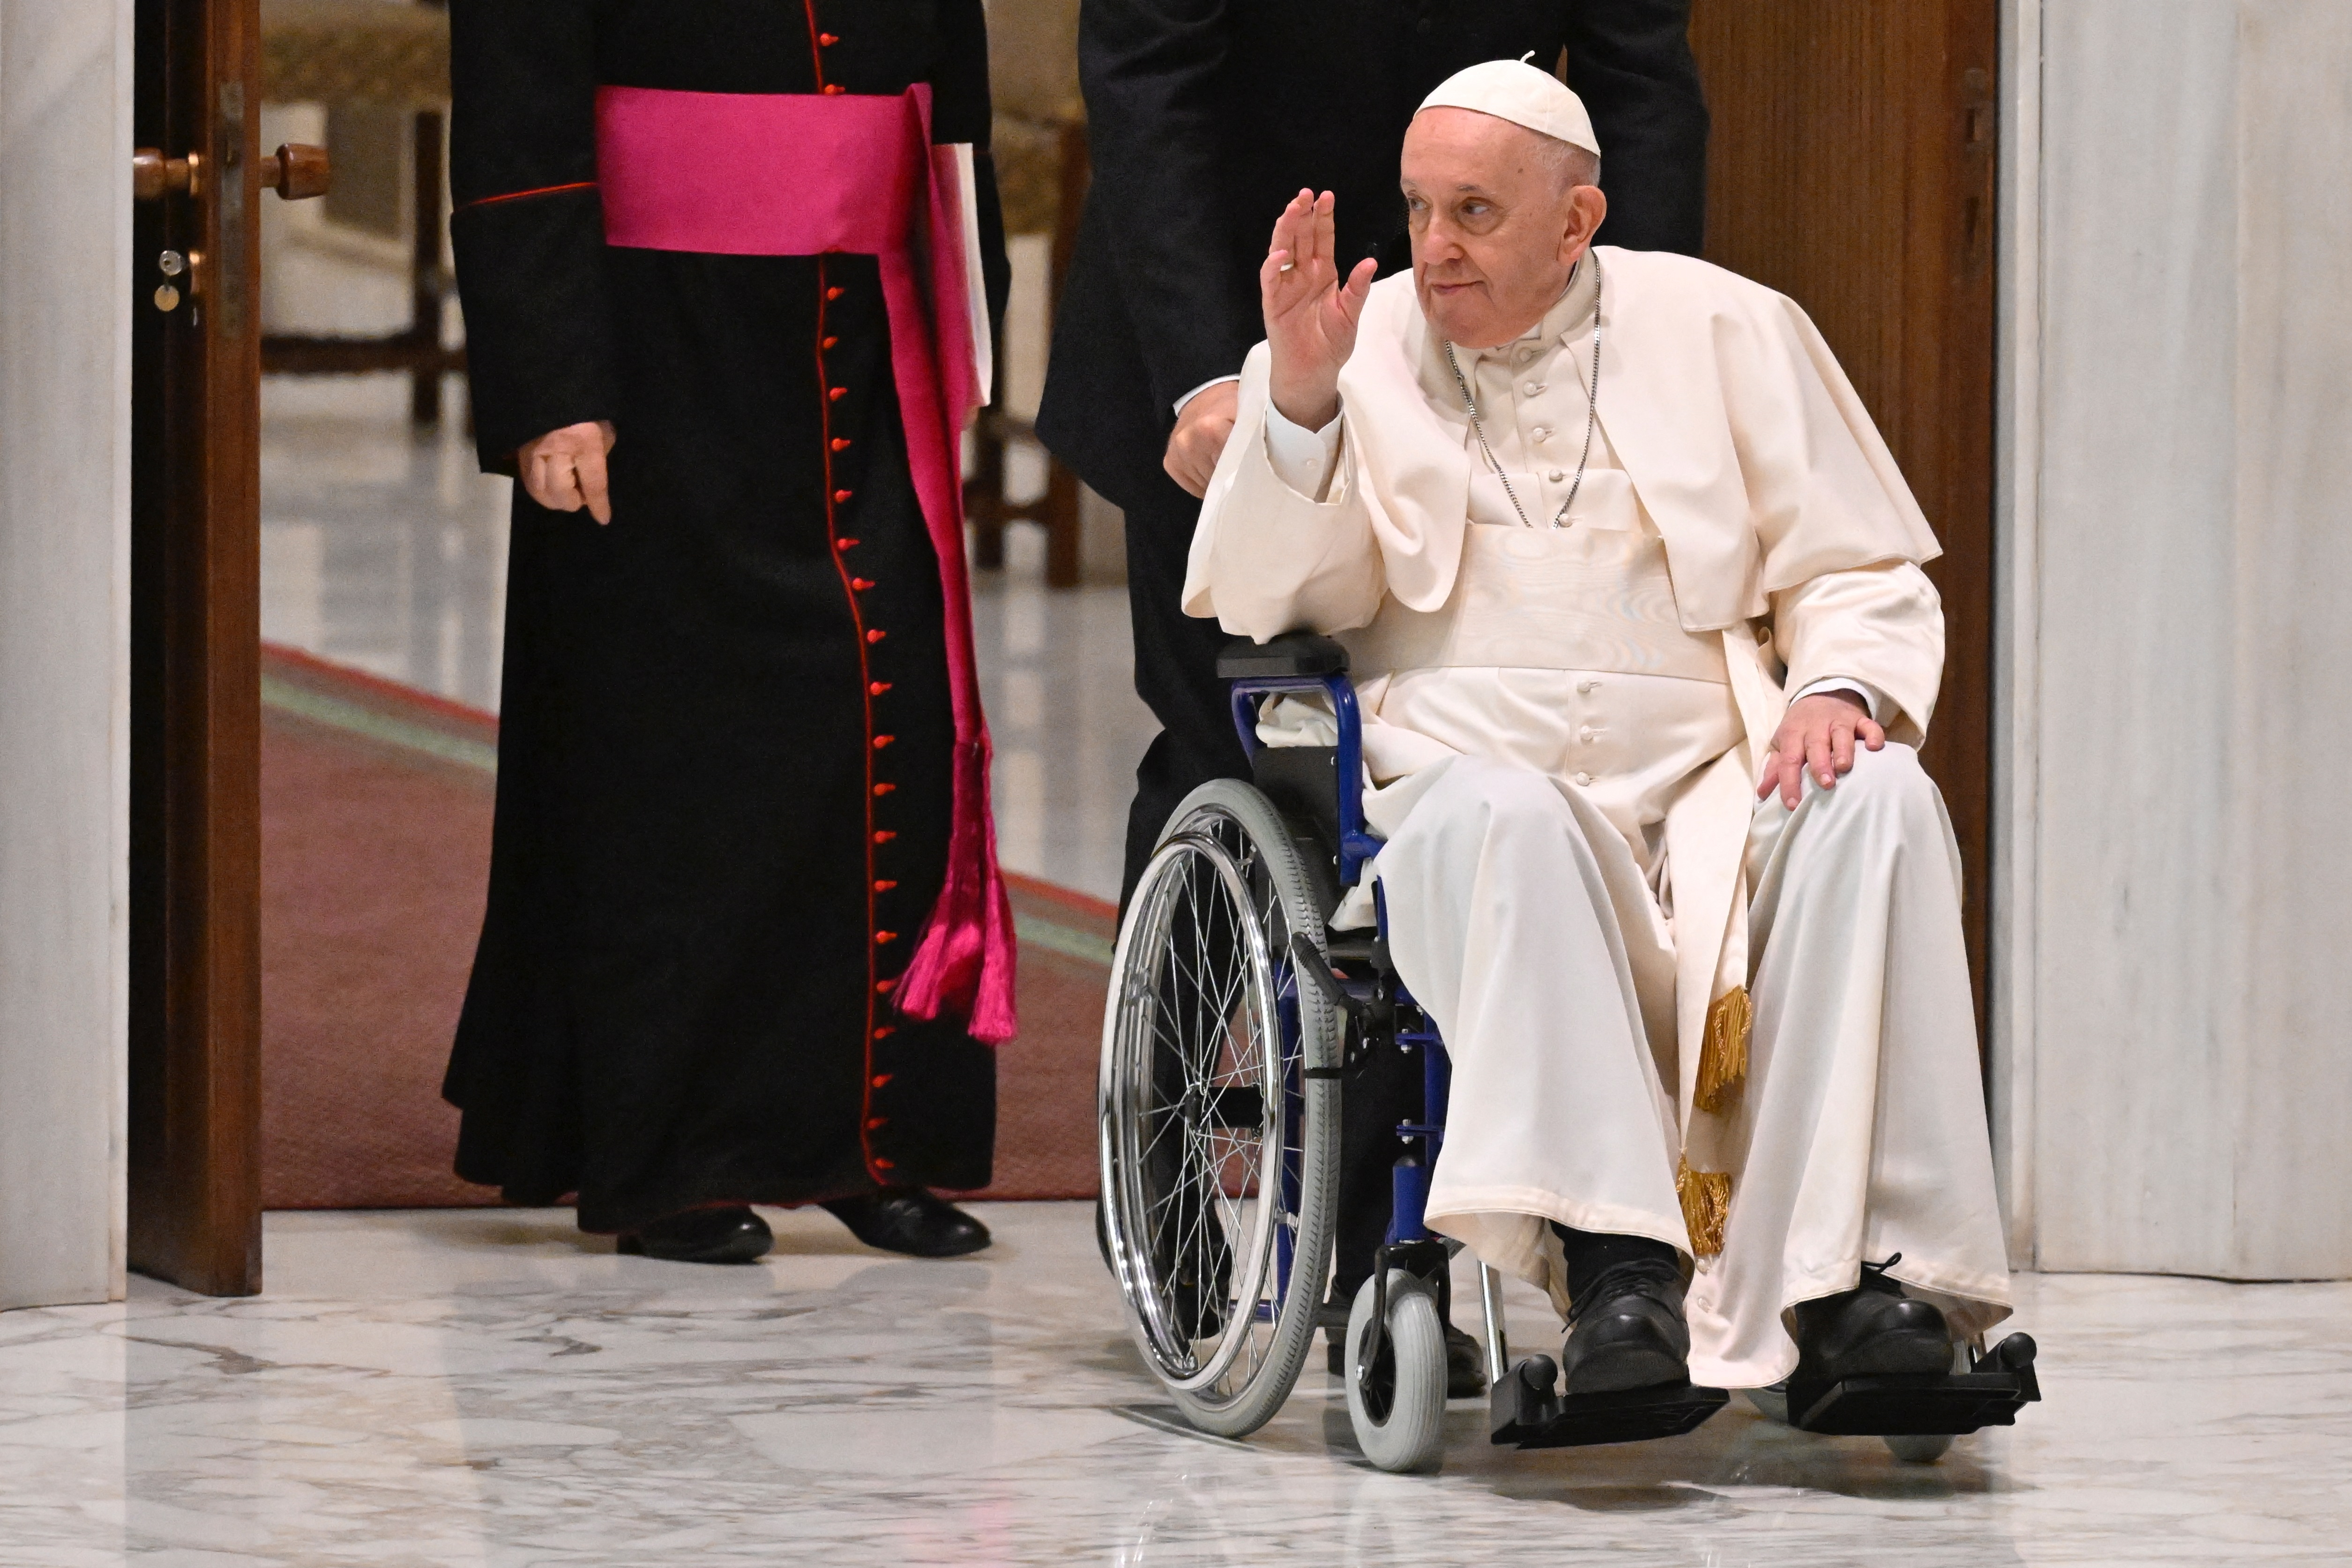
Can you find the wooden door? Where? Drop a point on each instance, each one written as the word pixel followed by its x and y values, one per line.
pixel 195 631
pixel 1851 166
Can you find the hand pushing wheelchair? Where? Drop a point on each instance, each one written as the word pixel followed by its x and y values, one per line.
pixel 1235 1015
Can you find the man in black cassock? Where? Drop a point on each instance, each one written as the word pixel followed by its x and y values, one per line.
pixel 1203 117
pixel 724 787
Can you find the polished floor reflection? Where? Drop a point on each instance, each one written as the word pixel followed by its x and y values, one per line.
pixel 492 1388
pixel 386 551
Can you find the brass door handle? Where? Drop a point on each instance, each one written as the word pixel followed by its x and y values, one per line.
pixel 154 176
pixel 297 172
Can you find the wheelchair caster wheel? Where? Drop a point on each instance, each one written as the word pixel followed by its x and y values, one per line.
pixel 1396 1386
pixel 1919 1448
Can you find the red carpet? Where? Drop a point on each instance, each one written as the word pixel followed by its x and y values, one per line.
pixel 375 850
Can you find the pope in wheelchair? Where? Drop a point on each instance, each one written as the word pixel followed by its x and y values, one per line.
pixel 1589 653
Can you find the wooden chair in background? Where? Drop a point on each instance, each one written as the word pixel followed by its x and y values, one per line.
pixel 1040 148
pixel 348 54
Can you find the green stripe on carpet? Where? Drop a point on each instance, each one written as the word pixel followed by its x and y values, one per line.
pixel 355 718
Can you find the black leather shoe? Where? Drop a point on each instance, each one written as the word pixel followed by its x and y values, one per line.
pixel 1871 1330
pixel 1627 1330
pixel 1465 1365
pixel 911 1220
pixel 729 1234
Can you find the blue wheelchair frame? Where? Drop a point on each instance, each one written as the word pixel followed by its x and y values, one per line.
pixel 1408 1217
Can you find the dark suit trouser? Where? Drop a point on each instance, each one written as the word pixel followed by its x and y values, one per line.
pixel 1176 675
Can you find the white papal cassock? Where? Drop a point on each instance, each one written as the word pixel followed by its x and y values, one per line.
pixel 1563 727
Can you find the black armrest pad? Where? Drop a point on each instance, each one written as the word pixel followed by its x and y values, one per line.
pixel 1291 653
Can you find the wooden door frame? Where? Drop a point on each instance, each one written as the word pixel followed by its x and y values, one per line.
pixel 195 847
pixel 1779 123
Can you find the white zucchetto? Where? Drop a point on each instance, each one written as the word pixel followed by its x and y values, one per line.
pixel 1519 92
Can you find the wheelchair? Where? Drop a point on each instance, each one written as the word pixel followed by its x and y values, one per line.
pixel 1234 1017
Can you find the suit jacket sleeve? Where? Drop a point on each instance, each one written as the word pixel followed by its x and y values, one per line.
pixel 1631 62
pixel 1154 119
pixel 528 228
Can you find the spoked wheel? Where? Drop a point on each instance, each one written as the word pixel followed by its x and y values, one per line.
pixel 1219 1155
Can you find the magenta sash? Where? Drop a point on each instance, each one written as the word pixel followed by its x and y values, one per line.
pixel 805 174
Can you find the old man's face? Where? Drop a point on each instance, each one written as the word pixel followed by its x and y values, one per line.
pixel 1498 223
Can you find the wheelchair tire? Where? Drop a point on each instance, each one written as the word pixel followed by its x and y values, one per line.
pixel 1397 1404
pixel 1218 1156
pixel 1919 1448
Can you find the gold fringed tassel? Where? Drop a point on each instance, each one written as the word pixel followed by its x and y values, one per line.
pixel 1706 1206
pixel 1723 1059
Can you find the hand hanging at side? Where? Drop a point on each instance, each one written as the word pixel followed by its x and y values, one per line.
pixel 563 470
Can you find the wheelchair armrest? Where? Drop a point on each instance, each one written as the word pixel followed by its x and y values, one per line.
pixel 1292 654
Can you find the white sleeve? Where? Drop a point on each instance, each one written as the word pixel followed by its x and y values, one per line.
pixel 1301 459
pixel 1872 698
pixel 1212 380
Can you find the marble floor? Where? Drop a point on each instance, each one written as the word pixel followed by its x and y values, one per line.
pixel 490 1387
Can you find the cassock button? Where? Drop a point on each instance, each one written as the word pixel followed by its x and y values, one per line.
pixel 1584 779
pixel 884 836
pixel 1556 476
pixel 841 443
pixel 831 342
pixel 883 788
pixel 845 543
pixel 841 496
pixel 880 1079
pixel 1585 687
pixel 886 936
pixel 832 88
pixel 833 293
pixel 838 393
pixel 883 884
pixel 828 40
pixel 882 740
pixel 1585 735
pixel 877 687
pixel 877 634
pixel 1535 388
pixel 1543 432
pixel 884 987
pixel 860 583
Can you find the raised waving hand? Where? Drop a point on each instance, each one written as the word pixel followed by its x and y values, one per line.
pixel 1311 313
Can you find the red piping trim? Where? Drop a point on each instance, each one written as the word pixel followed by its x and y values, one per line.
pixel 865 698
pixel 816 49
pixel 519 195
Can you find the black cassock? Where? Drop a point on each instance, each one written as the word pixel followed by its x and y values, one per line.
pixel 724 787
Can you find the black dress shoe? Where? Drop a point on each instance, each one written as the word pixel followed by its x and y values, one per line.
pixel 911 1220
pixel 1628 1331
pixel 1871 1330
pixel 729 1234
pixel 1465 1365
pixel 1625 1323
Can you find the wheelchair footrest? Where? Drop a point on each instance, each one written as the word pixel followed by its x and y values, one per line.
pixel 1990 1393
pixel 1528 1409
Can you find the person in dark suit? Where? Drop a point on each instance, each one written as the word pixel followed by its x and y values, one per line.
pixel 1205 117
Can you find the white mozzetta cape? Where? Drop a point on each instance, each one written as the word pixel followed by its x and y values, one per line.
pixel 1788 529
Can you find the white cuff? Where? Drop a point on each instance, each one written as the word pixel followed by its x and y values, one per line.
pixel 1872 698
pixel 1212 380
pixel 1301 459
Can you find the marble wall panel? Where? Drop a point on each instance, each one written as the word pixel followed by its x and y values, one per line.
pixel 2190 1068
pixel 64 288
